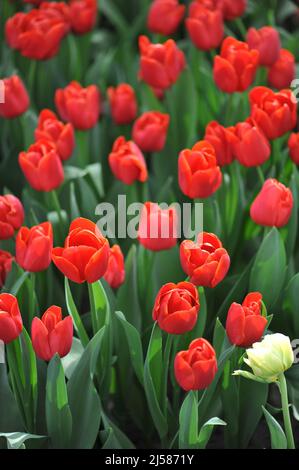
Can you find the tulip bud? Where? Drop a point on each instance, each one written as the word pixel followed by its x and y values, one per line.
pixel 127 162
pixel 205 26
pixel 283 71
pixel 267 41
pixel 83 15
pixel 123 103
pixel 150 131
pixel 293 144
pixel 251 147
pixel 158 227
pixel 164 16
pixel 11 324
pixel 6 260
pixel 16 99
pixel 222 140
pixel 11 216
pixel 34 247
pixel 115 273
pixel 233 8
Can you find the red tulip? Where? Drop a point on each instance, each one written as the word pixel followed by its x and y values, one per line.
pixel 51 334
pixel 158 228
pixel 38 33
pixel 245 324
pixel 205 26
pixel 11 324
pixel 85 254
pixel 222 139
pixel 127 162
pixel 15 98
pixel 293 144
pixel 42 166
pixel 233 8
pixel 34 247
pixel 252 148
pixel 150 131
pixel 273 205
pixel 123 103
pixel 50 128
pixel 78 105
pixel 267 41
pixel 11 216
pixel 196 368
pixel 6 260
pixel 283 71
pixel 164 16
pixel 83 15
pixel 205 262
pixel 176 308
pixel 115 273
pixel 235 67
pixel 160 64
pixel 199 174
pixel 274 113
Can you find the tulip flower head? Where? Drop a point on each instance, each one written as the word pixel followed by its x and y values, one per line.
pixel 6 260
pixel 293 144
pixel 123 103
pixel 283 71
pixel 164 16
pixel 222 139
pixel 83 15
pixel 127 162
pixel 150 131
pixel 205 25
pixel 16 99
pixel 34 247
pixel 11 216
pixel 251 146
pixel 158 228
pixel 232 9
pixel 115 273
pixel 11 324
pixel 267 41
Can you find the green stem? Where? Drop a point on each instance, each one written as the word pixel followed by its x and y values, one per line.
pixel 260 174
pixel 93 310
pixel 32 298
pixel 241 27
pixel 286 411
pixel 82 139
pixel 57 207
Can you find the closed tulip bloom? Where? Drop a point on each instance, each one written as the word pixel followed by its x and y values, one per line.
pixel 38 33
pixel 199 173
pixel 11 216
pixel 34 247
pixel 205 26
pixel 127 162
pixel 85 254
pixel 11 324
pixel 115 273
pixel 283 71
pixel 123 103
pixel 164 16
pixel 235 67
pixel 6 260
pixel 51 334
pixel 245 324
pixel 160 64
pixel 78 105
pixel 273 205
pixel 274 113
pixel 196 368
pixel 150 131
pixel 233 8
pixel 158 228
pixel 42 166
pixel 15 97
pixel 293 144
pixel 251 147
pixel 267 41
pixel 222 139
pixel 176 308
pixel 83 15
pixel 206 262
pixel 50 128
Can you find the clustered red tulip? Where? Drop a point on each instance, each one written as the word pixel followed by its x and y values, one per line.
pixel 34 247
pixel 176 307
pixel 11 216
pixel 158 228
pixel 199 173
pixel 62 135
pixel 222 139
pixel 274 113
pixel 78 105
pixel 251 147
pixel 164 16
pixel 42 166
pixel 123 103
pixel 127 162
pixel 150 131
pixel 273 205
pixel 245 323
pixel 11 324
pixel 85 254
pixel 6 260
pixel 196 368
pixel 51 334
pixel 83 15
pixel 235 67
pixel 293 144
pixel 16 99
pixel 160 64
pixel 283 71
pixel 267 41
pixel 205 25
pixel 206 262
pixel 233 8
pixel 115 273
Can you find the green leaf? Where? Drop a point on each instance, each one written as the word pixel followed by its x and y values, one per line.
pixel 206 431
pixel 112 13
pixel 71 360
pixel 10 418
pixel 291 303
pixel 116 439
pixel 16 440
pixel 278 438
pixel 72 309
pixel 188 420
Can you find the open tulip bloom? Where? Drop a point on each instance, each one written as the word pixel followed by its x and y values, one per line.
pixel 149 214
